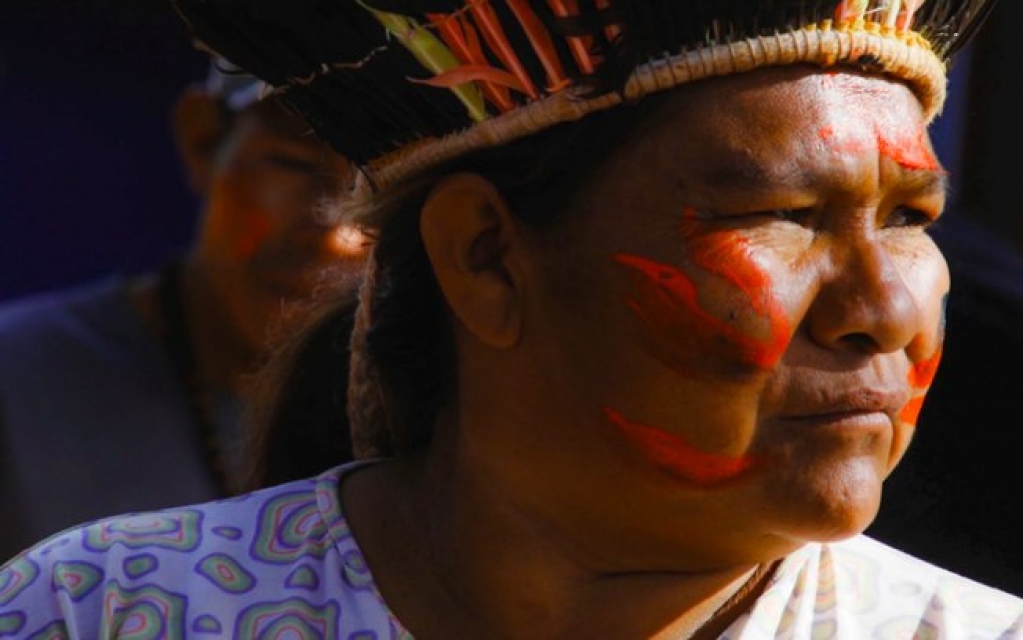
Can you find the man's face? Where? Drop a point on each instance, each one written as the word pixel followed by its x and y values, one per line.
pixel 264 240
pixel 739 320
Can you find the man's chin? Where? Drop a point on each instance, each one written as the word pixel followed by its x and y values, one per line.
pixel 286 287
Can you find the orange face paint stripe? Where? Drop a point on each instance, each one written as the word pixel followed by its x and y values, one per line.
pixel 920 377
pixel 666 302
pixel 728 255
pixel 911 412
pixel 910 151
pixel 672 453
pixel 921 374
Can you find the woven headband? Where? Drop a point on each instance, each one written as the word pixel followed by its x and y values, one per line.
pixel 400 86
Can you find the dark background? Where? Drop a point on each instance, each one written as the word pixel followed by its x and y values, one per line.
pixel 90 184
pixel 89 177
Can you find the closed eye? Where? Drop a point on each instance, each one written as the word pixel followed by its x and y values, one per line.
pixel 293 164
pixel 798 216
pixel 908 217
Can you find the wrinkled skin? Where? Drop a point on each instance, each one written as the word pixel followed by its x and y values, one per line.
pixel 713 359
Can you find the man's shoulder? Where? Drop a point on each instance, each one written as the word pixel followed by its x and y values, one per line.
pixel 67 327
pixel 48 310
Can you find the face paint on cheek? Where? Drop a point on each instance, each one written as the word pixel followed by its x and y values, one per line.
pixel 243 223
pixel 921 375
pixel 677 457
pixel 729 255
pixel 257 231
pixel 682 334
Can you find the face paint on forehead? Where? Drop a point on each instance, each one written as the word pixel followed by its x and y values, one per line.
pixel 906 144
pixel 672 453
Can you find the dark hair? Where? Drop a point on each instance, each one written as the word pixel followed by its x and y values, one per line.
pixel 403 353
pixel 295 402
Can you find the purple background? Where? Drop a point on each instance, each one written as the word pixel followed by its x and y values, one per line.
pixel 89 178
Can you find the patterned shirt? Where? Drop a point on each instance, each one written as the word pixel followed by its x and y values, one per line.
pixel 282 562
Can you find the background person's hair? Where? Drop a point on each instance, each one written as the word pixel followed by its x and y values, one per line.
pixel 297 424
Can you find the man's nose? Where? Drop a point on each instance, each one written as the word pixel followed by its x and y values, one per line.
pixel 864 302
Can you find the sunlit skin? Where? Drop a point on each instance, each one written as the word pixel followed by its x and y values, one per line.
pixel 906 144
pixel 921 375
pixel 690 340
pixel 685 335
pixel 812 248
pixel 701 367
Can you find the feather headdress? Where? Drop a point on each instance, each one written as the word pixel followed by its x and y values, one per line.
pixel 401 85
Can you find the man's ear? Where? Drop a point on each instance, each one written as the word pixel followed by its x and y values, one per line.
pixel 470 235
pixel 198 125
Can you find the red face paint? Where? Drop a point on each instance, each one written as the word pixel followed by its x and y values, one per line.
pixel 920 377
pixel 239 222
pixel 908 148
pixel 682 334
pixel 728 255
pixel 258 229
pixel 921 374
pixel 677 457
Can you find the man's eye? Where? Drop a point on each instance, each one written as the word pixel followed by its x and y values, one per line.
pixel 908 217
pixel 791 215
pixel 290 163
pixel 796 216
pixel 787 215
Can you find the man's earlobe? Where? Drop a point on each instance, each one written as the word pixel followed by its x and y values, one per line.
pixel 198 126
pixel 471 239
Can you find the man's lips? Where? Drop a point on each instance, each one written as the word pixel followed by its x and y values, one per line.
pixel 850 404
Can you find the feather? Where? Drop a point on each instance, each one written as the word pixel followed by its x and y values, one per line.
pixel 369 90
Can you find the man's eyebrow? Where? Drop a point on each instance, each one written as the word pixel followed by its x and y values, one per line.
pixel 740 169
pixel 737 168
pixel 937 180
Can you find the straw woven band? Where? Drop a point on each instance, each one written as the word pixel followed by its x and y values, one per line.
pixel 905 56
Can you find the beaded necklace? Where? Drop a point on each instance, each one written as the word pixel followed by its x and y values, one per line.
pixel 180 347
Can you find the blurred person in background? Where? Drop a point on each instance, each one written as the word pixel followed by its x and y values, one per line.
pixel 127 393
